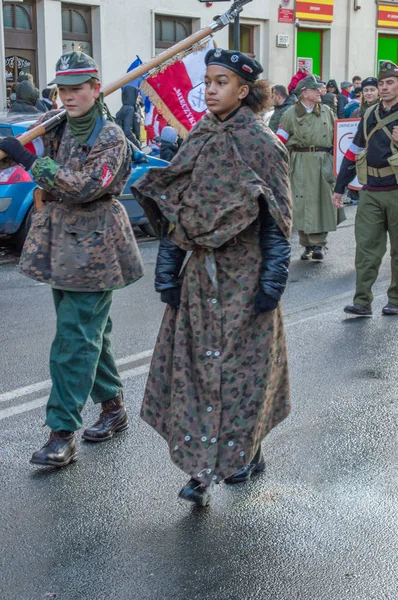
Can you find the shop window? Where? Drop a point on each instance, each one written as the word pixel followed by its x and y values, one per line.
pixel 170 30
pixel 246 39
pixel 76 28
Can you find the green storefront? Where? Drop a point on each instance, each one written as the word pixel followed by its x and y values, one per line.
pixel 387 48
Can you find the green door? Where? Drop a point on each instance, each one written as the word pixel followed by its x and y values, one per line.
pixel 309 45
pixel 387 49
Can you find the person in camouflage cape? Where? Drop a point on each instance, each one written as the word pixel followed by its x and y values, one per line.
pixel 218 381
pixel 82 244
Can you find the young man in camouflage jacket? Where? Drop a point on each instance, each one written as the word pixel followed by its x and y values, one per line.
pixel 82 244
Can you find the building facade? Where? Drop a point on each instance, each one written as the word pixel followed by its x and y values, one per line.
pixel 334 38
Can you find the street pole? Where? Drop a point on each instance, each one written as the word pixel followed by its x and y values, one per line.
pixel 237 33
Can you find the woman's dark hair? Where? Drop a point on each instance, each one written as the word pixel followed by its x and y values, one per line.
pixel 259 96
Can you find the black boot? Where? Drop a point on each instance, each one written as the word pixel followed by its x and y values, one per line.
pixel 391 310
pixel 318 253
pixel 195 492
pixel 113 419
pixel 306 255
pixel 358 309
pixel 244 474
pixel 60 450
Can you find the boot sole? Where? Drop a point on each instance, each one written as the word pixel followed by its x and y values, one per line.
pixel 51 463
pixel 198 501
pixel 109 437
pixel 354 314
pixel 260 468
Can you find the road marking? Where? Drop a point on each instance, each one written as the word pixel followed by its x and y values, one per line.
pixel 42 385
pixel 27 406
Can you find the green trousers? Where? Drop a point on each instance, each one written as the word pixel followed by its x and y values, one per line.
pixel 377 215
pixel 81 358
pixel 312 239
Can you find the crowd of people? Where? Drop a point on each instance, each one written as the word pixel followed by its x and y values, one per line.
pixel 218 380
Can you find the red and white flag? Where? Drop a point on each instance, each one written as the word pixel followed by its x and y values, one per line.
pixel 178 92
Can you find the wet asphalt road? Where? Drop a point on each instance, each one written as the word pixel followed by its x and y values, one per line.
pixel 319 524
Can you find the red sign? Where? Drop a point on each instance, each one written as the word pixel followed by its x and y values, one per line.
pixel 387 16
pixel 315 11
pixel 285 15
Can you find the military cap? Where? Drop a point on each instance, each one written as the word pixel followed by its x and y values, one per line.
pixel 308 83
pixel 235 61
pixel 369 82
pixel 387 69
pixel 74 68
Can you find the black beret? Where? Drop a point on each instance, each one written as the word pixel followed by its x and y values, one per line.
pixel 235 61
pixel 369 81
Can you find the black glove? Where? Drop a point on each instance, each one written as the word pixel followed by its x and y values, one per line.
pixel 13 147
pixel 172 297
pixel 264 303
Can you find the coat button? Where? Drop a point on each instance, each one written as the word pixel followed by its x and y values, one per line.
pixel 176 447
pixel 204 439
pixel 208 471
pixel 217 353
pixel 209 353
pixel 187 438
pixel 213 440
pixel 209 408
pixel 230 444
pixel 214 301
pixel 199 475
pixel 241 453
pixel 163 197
pixel 214 477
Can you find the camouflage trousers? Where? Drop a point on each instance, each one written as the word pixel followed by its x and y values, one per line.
pixel 81 358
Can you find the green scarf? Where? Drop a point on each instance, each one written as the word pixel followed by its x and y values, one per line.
pixel 82 127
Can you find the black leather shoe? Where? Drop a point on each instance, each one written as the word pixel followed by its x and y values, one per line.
pixel 60 450
pixel 390 310
pixel 113 419
pixel 195 492
pixel 358 310
pixel 318 253
pixel 306 255
pixel 255 466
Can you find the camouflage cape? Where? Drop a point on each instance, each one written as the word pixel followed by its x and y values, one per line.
pixel 82 240
pixel 218 381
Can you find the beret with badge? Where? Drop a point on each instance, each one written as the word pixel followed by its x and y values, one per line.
pixel 235 61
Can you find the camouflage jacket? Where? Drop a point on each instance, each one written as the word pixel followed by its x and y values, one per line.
pixel 210 190
pixel 82 240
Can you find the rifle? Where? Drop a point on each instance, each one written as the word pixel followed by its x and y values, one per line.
pixel 218 23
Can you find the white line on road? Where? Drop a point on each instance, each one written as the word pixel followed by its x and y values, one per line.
pixel 42 385
pixel 26 406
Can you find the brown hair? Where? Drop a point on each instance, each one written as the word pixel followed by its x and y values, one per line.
pixel 259 96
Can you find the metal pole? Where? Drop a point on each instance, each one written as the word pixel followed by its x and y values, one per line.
pixel 237 33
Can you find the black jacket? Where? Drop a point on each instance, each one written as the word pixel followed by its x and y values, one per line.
pixel 128 117
pixel 168 150
pixel 342 101
pixel 379 150
pixel 275 252
pixel 279 110
pixel 26 98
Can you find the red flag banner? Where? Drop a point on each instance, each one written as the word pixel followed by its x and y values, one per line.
pixel 320 10
pixel 178 91
pixel 387 16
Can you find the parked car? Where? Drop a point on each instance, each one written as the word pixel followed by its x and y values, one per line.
pixel 16 190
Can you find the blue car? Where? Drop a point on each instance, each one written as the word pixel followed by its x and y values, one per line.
pixel 16 190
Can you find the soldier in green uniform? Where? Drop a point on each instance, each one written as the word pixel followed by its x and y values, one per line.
pixel 373 155
pixel 82 244
pixel 307 129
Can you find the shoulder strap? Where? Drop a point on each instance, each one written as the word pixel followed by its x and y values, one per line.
pixel 381 123
pixel 96 131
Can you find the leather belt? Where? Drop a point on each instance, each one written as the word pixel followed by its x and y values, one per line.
pixel 312 149
pixel 383 172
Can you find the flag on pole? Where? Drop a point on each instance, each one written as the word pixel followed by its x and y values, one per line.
pixel 178 92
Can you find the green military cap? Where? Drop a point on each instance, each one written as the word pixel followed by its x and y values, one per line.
pixel 74 68
pixel 308 83
pixel 387 69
